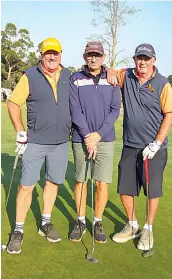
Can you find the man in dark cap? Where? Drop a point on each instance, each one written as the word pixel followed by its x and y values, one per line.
pixel 147 101
pixel 95 106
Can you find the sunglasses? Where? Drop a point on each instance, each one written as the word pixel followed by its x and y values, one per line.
pixel 96 55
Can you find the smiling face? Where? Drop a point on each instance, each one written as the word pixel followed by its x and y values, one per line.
pixel 51 60
pixel 144 64
pixel 94 60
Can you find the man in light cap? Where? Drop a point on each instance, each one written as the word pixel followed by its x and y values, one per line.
pixel 147 101
pixel 95 106
pixel 45 89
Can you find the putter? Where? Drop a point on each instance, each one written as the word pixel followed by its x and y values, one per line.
pixel 3 246
pixel 149 252
pixel 90 257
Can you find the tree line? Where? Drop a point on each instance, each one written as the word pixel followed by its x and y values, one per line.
pixel 16 45
pixel 17 55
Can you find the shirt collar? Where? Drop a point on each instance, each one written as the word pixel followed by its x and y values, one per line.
pixel 152 76
pixel 47 73
pixel 85 68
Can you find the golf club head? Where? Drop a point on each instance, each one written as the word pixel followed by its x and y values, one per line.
pixel 148 253
pixel 3 247
pixel 91 259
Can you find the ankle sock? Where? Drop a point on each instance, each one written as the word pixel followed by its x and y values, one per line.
pixel 82 219
pixel 134 224
pixel 45 219
pixel 148 227
pixel 19 226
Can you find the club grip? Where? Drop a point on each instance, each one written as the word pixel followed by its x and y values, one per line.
pixel 146 170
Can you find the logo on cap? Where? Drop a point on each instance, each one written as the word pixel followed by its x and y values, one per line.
pixel 94 47
pixel 145 49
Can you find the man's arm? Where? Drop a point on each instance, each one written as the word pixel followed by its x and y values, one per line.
pixel 78 118
pixel 17 99
pixel 14 111
pixel 166 106
pixel 116 77
pixel 165 127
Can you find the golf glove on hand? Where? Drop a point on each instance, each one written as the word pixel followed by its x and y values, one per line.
pixel 151 149
pixel 21 142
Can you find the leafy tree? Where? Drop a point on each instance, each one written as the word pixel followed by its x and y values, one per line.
pixel 15 46
pixel 32 59
pixel 111 14
pixel 72 69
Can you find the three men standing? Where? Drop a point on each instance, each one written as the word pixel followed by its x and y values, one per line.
pixel 94 107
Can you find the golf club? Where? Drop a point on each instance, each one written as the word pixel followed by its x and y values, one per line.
pixel 90 257
pixel 149 252
pixel 3 246
pixel 86 172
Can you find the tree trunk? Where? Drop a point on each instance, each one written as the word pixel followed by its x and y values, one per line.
pixel 9 73
pixel 112 63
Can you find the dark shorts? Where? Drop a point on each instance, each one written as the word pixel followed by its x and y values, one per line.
pixel 131 175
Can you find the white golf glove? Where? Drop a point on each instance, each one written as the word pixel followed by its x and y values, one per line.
pixel 21 142
pixel 151 149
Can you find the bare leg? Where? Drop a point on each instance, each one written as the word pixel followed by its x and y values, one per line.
pixel 128 203
pixel 23 202
pixel 101 198
pixel 49 196
pixel 153 206
pixel 80 195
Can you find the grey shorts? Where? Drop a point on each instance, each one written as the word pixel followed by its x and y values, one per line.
pixel 103 167
pixel 131 176
pixel 55 158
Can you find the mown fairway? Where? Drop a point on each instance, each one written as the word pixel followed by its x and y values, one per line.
pixel 65 260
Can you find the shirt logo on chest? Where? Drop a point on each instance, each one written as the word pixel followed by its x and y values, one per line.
pixel 149 86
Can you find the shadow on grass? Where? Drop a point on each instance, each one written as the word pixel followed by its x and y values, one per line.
pixel 64 194
pixel 7 163
pixel 117 224
pixel 7 170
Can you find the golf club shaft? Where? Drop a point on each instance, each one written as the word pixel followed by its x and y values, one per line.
pixel 11 182
pixel 92 202
pixel 147 190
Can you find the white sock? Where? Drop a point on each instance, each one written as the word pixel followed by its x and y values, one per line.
pixel 148 227
pixel 45 219
pixel 82 219
pixel 134 224
pixel 19 227
pixel 96 220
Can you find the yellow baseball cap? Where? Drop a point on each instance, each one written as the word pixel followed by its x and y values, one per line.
pixel 51 44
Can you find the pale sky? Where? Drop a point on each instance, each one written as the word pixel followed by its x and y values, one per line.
pixel 70 22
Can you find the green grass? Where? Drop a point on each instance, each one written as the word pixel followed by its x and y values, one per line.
pixel 42 260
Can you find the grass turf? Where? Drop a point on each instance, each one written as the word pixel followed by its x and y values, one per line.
pixel 42 260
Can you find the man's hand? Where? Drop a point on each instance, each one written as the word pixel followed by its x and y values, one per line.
pixel 151 149
pixel 92 152
pixel 112 76
pixel 92 139
pixel 21 142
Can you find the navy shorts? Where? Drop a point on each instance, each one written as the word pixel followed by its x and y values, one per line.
pixel 131 176
pixel 55 158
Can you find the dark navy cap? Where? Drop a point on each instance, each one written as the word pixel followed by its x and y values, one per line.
pixel 145 49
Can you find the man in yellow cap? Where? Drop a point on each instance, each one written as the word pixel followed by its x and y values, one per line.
pixel 45 89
